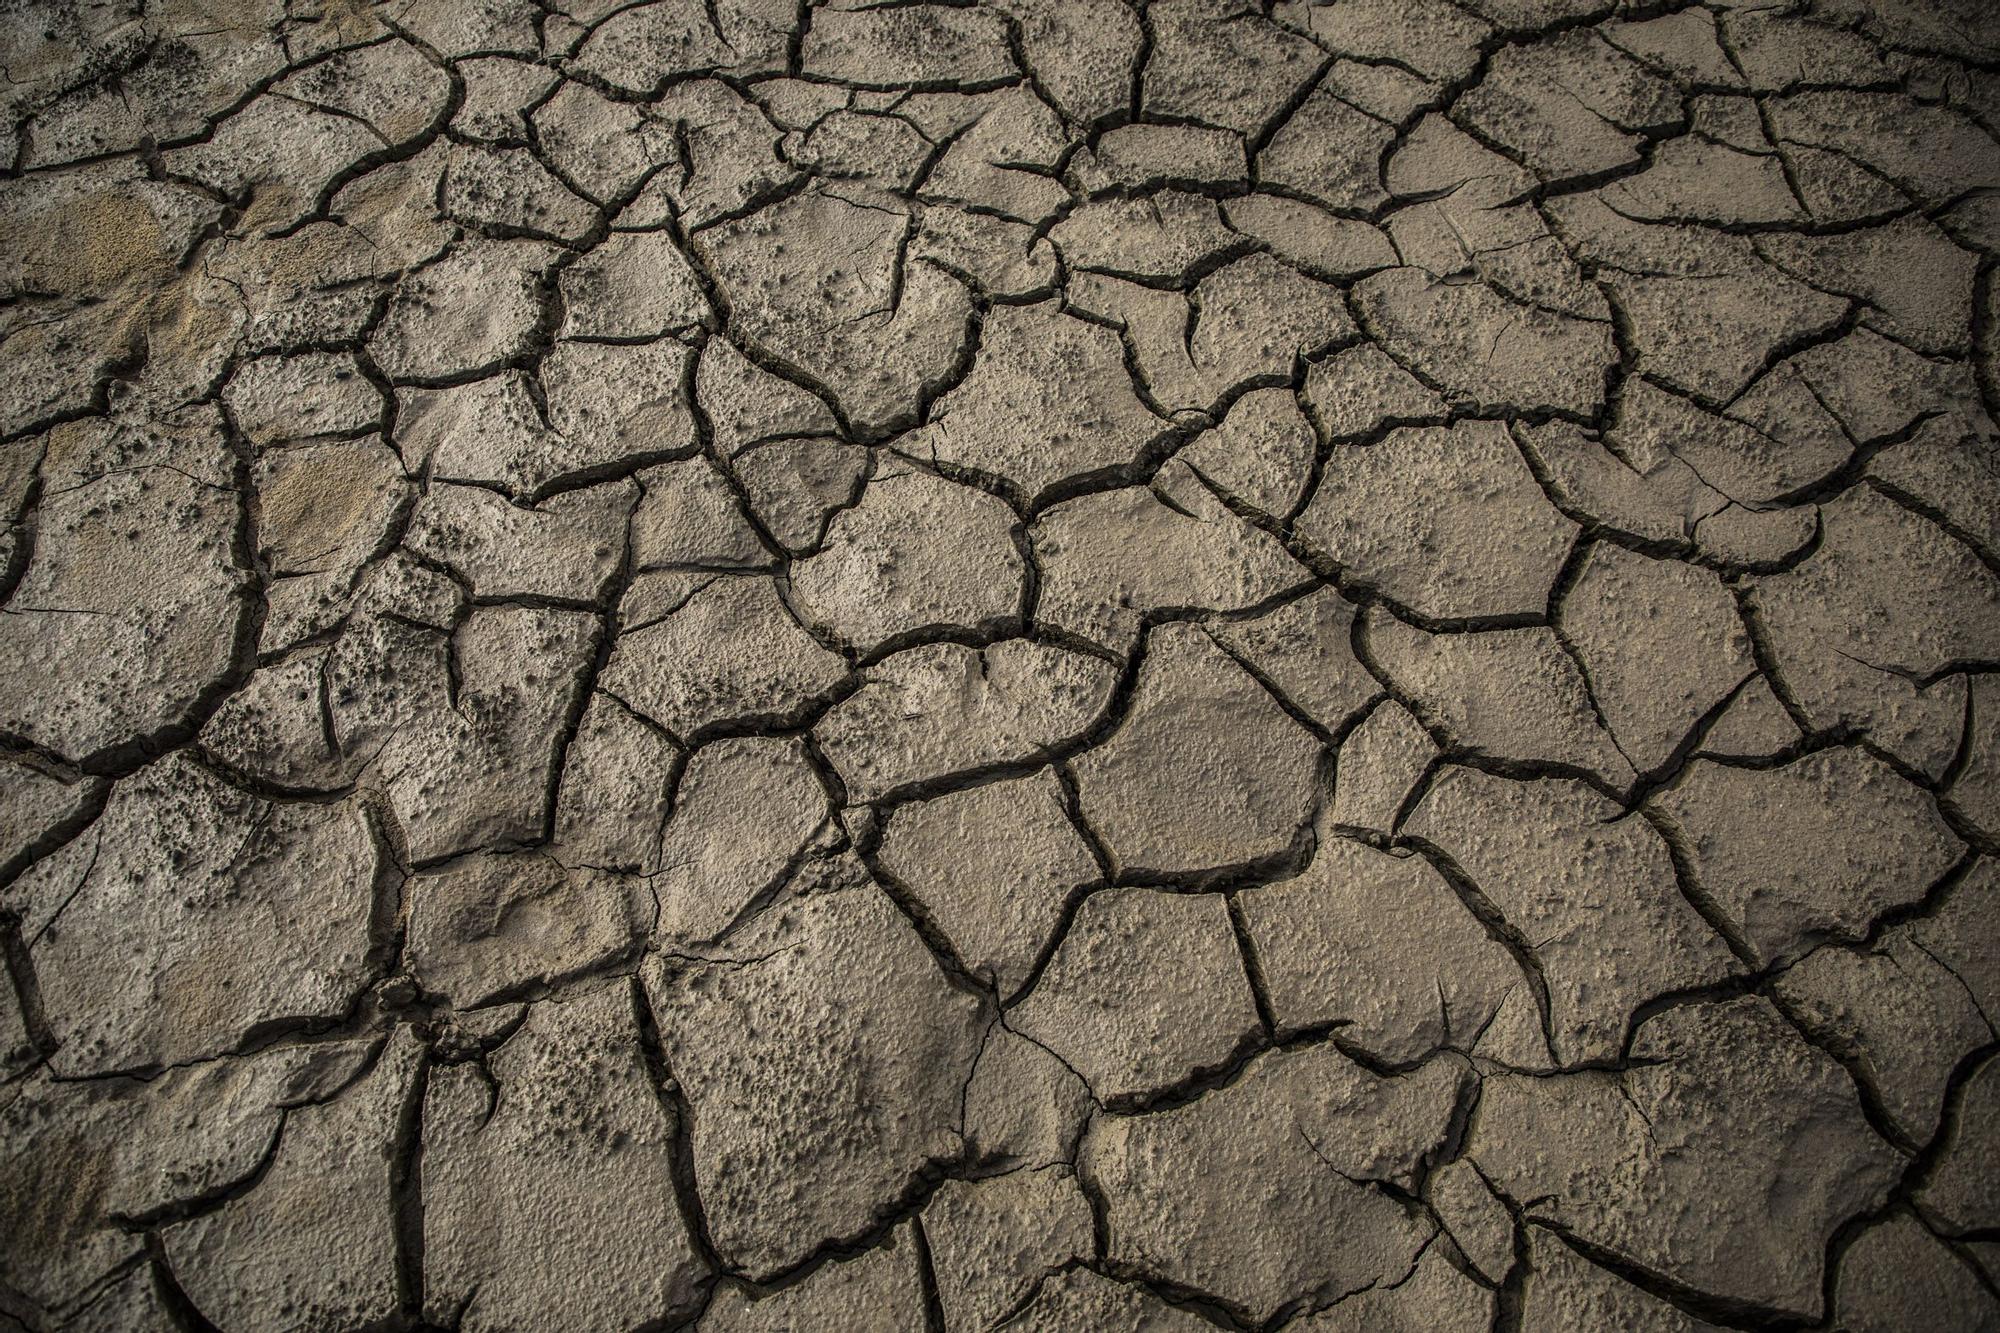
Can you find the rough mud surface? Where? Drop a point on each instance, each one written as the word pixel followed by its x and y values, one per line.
pixel 1044 664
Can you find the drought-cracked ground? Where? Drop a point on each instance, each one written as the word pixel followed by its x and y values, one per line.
pixel 1049 663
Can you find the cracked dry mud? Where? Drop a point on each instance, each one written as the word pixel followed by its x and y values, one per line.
pixel 1037 664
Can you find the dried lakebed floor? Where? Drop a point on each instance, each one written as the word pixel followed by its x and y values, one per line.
pixel 1042 664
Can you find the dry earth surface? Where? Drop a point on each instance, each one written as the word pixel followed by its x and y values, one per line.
pixel 1045 664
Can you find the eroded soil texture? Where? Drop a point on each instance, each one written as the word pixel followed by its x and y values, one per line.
pixel 1044 664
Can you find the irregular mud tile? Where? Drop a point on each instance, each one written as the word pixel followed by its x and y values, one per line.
pixel 1361 392
pixel 1710 332
pixel 613 798
pixel 1009 261
pixel 121 626
pixel 1129 1028
pixel 1305 649
pixel 1433 1297
pixel 1509 694
pixel 1897 1015
pixel 1569 105
pixel 1662 644
pixel 638 50
pixel 1485 351
pixel 328 505
pixel 725 159
pixel 634 285
pixel 1157 324
pixel 1261 455
pixel 1697 180
pixel 1566 1291
pixel 822 1057
pixel 690 517
pixel 743 813
pixel 1745 1215
pixel 1330 151
pixel 1655 497
pixel 1949 470
pixel 907 46
pixel 1960 1191
pixel 1975 792
pixel 468 313
pixel 1265 1194
pixel 1591 891
pixel 880 1290
pixel 795 487
pixel 1175 154
pixel 847 145
pixel 1380 947
pixel 816 281
pixel 992 1241
pixel 1757 539
pixel 558 1158
pixel 193 917
pixel 1934 152
pixel 1866 628
pixel 993 868
pixel 279 399
pixel 1161 239
pixel 1378 765
pixel 1023 1106
pixel 1111 560
pixel 1206 772
pixel 1837 398
pixel 273 730
pixel 278 152
pixel 490 430
pixel 35 806
pixel 1213 63
pixel 1081 1298
pixel 916 553
pixel 1813 850
pixel 1915 280
pixel 1446 520
pixel 132 1304
pixel 1435 38
pixel 613 402
pixel 1080 53
pixel 506 190
pixel 1256 318
pixel 462 730
pixel 746 405
pixel 81 1161
pixel 1728 452
pixel 1898 1272
pixel 567 548
pixel 1478 1223
pixel 602 148
pixel 732 653
pixel 1314 240
pixel 390 86
pixel 1048 398
pixel 1004 160
pixel 499 91
pixel 930 713
pixel 313 1244
pixel 496 926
